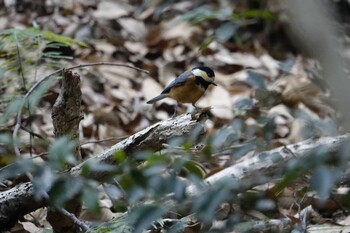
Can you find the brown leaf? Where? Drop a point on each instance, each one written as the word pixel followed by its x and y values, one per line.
pixel 219 100
pixel 246 60
pixel 297 89
pixel 183 30
pixel 135 28
pixel 111 10
pixel 150 88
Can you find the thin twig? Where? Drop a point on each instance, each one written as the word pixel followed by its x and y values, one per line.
pixel 75 220
pixel 104 140
pixel 37 84
pixel 31 132
pixel 21 72
pixel 287 150
pixel 9 166
pixel 69 215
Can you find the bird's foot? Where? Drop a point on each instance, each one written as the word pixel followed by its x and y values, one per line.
pixel 174 115
pixel 200 112
pixel 175 111
pixel 204 109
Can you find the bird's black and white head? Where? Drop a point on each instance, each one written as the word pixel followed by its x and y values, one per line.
pixel 205 73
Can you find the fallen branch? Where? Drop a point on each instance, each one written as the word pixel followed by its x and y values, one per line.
pixel 265 164
pixel 75 220
pixel 272 225
pixel 153 137
pixel 270 164
pixel 17 202
pixel 20 200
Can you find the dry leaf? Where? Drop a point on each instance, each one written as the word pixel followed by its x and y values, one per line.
pixel 136 47
pixel 30 227
pixel 105 47
pixel 117 75
pixel 271 64
pixel 245 60
pixel 134 27
pixel 219 99
pixel 150 88
pixel 111 10
pixel 93 99
pixel 175 30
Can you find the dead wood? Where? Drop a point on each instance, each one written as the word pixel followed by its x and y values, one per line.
pixel 269 165
pixel 20 200
pixel 264 165
pixel 66 116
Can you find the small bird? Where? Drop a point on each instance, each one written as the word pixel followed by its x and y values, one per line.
pixel 188 87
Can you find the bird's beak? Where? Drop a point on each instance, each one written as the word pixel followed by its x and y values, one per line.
pixel 213 83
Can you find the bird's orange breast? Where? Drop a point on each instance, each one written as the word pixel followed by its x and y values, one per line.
pixel 189 92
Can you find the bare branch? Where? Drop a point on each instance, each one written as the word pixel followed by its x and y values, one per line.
pixel 38 83
pixel 268 165
pixel 74 219
pixel 20 203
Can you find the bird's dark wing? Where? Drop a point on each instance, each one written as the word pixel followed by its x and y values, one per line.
pixel 180 80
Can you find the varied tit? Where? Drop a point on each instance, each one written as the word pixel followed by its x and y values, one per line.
pixel 188 87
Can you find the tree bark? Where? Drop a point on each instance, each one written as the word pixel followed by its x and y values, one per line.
pixel 66 116
pixel 15 203
pixel 268 165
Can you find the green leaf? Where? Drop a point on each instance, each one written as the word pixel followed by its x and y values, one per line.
pixel 228 135
pixel 204 13
pixel 5 138
pixel 195 168
pixel 139 177
pixel 120 206
pixel 36 96
pixel 51 36
pixel 60 153
pixel 179 188
pixel 205 44
pixel 255 14
pixel 180 225
pixel 43 180
pixel 269 129
pixel 64 189
pixel 93 165
pixel 256 80
pixel 90 197
pixel 56 55
pixel 295 171
pixel 21 166
pixel 11 110
pixel 119 156
pixel 126 181
pixel 323 180
pixel 206 205
pixel 141 217
pixel 226 31
pixel 116 225
pixel 242 149
pixel 187 145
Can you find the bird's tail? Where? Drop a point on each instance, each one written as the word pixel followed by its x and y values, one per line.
pixel 155 99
